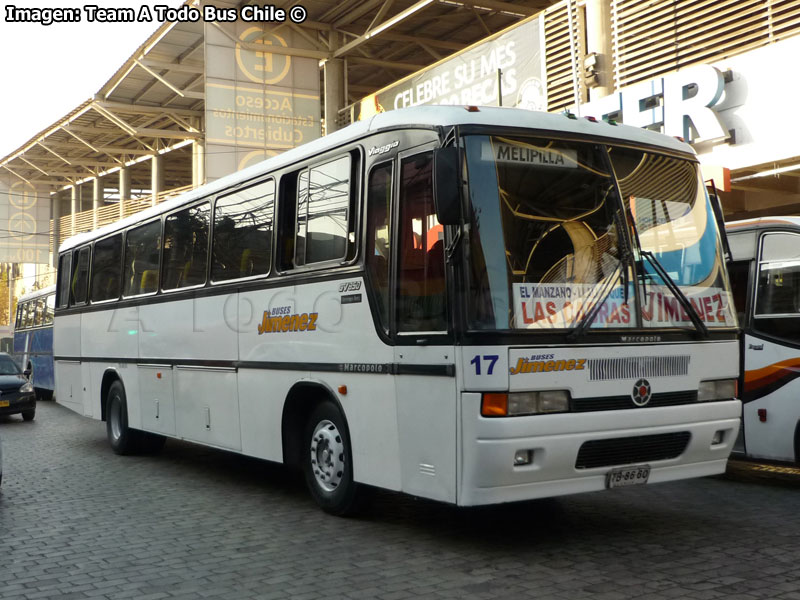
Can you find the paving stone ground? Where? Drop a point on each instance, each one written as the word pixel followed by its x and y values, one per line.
pixel 77 521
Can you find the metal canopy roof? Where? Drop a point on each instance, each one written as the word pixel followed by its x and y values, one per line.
pixel 155 101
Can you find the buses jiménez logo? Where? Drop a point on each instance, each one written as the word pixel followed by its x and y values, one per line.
pixel 281 320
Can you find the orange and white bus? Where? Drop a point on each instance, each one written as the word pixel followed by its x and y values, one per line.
pixel 765 275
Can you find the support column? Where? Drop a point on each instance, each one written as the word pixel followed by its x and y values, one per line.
pixel 56 212
pixel 198 163
pixel 599 41
pixel 97 199
pixel 156 177
pixel 124 189
pixel 334 93
pixel 73 209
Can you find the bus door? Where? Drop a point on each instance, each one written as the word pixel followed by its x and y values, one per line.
pixel 424 382
pixel 771 350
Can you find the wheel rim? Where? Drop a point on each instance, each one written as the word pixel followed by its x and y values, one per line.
pixel 327 456
pixel 115 417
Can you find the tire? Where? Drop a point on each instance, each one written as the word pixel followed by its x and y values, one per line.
pixel 328 462
pixel 123 439
pixel 28 415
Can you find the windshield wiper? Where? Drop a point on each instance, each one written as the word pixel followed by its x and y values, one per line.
pixel 605 292
pixel 671 285
pixel 624 262
pixel 626 254
pixel 676 291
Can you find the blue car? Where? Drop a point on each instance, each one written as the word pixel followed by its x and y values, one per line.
pixel 17 395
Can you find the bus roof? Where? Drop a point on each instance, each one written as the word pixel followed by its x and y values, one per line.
pixel 51 289
pixel 762 223
pixel 407 118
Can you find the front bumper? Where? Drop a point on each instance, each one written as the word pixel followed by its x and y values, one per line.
pixel 489 475
pixel 13 403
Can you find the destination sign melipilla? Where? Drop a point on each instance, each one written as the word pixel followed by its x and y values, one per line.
pixel 530 155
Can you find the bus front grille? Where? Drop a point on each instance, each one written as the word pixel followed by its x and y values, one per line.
pixel 635 367
pixel 632 450
pixel 623 402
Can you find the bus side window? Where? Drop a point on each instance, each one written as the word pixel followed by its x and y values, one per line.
pixel 106 267
pixel 38 317
pixel 30 316
pixel 25 320
pixel 323 212
pixel 242 242
pixel 377 250
pixel 142 247
pixel 285 229
pixel 777 305
pixel 421 281
pixel 49 307
pixel 186 247
pixel 64 270
pixel 80 276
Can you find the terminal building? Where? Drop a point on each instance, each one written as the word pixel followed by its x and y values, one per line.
pixel 203 98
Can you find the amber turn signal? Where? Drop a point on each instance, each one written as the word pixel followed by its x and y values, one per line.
pixel 494 405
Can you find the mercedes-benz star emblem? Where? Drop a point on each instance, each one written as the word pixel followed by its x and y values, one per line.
pixel 641 392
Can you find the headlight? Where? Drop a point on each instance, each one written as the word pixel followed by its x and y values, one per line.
pixel 721 389
pixel 26 387
pixel 524 403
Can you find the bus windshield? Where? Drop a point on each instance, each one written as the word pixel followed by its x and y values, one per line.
pixel 549 247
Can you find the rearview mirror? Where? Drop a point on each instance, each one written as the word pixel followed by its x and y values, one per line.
pixel 446 186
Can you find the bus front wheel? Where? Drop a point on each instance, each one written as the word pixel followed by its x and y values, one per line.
pixel 328 463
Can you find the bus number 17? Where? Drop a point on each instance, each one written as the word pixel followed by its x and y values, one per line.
pixel 490 358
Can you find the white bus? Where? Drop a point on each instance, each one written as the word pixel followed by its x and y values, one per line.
pixel 765 277
pixel 473 305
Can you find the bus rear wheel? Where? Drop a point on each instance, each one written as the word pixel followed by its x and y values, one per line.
pixel 123 439
pixel 328 462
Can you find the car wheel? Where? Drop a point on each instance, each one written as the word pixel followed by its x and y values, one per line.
pixel 122 438
pixel 328 463
pixel 28 415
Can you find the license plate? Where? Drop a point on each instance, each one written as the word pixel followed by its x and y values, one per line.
pixel 627 476
pixel 4 403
